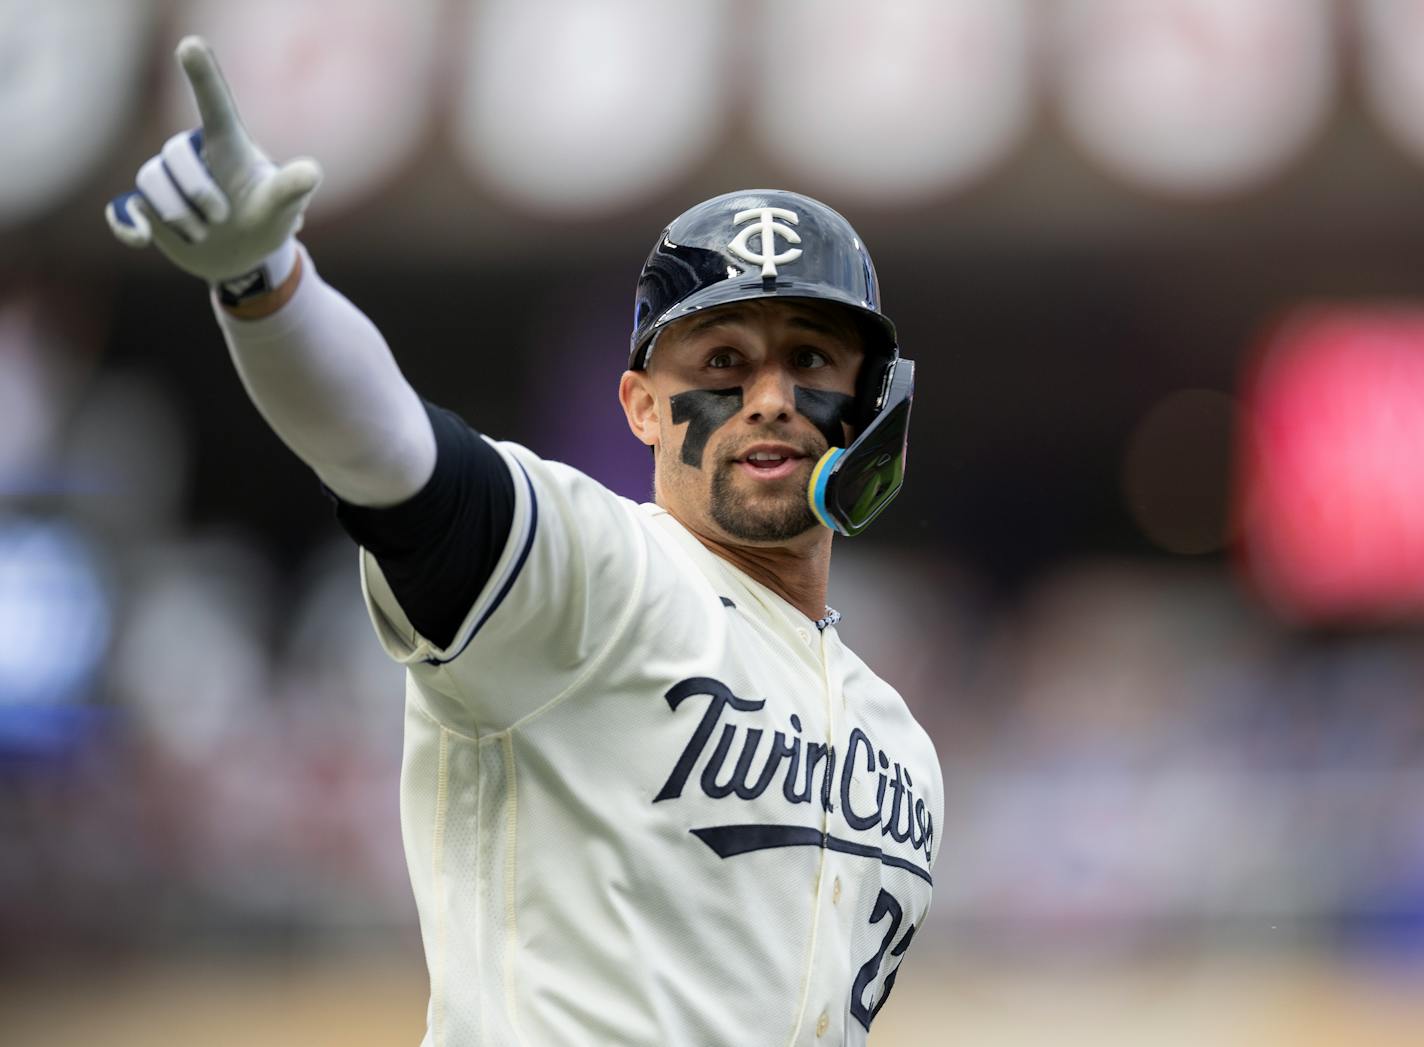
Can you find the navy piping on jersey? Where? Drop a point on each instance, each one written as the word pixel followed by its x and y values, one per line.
pixel 730 840
pixel 513 575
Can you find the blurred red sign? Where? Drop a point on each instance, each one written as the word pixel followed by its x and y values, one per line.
pixel 1331 478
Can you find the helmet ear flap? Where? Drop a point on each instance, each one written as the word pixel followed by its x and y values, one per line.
pixel 850 487
pixel 880 356
pixel 869 389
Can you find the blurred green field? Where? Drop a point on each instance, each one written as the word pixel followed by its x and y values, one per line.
pixel 356 1002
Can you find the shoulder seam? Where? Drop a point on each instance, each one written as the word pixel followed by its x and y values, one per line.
pixel 418 704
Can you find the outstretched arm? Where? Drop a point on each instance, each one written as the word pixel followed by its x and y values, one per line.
pixel 316 368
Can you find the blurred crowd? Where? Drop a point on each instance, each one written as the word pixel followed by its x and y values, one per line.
pixel 190 738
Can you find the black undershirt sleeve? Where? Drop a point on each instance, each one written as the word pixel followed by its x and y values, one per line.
pixel 439 548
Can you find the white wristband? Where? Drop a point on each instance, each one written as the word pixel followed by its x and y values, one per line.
pixel 268 276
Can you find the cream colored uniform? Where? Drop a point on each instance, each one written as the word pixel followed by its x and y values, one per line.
pixel 645 801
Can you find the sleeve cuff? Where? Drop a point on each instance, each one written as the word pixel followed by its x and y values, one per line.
pixel 400 639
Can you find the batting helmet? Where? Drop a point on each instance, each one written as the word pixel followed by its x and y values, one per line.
pixel 770 243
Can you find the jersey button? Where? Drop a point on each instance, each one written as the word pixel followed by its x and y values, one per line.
pixel 822 1024
pixel 836 892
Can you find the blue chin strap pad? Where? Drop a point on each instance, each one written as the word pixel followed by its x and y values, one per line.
pixel 850 487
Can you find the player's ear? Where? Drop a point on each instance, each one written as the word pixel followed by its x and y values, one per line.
pixel 640 406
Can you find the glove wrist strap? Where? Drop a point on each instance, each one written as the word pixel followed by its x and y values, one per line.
pixel 266 278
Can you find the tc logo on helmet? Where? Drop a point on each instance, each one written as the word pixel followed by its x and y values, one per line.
pixel 769 229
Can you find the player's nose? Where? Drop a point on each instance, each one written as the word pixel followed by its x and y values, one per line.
pixel 770 395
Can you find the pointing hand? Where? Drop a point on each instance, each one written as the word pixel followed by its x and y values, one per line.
pixel 211 200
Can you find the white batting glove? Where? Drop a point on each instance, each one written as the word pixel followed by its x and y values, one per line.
pixel 211 200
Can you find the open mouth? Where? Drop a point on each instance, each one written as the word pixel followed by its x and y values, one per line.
pixel 771 463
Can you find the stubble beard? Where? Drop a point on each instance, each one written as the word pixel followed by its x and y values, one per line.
pixel 777 518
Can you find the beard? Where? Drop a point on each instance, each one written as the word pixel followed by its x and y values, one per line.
pixel 770 517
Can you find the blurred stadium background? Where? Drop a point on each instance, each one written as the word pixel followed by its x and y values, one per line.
pixel 1156 583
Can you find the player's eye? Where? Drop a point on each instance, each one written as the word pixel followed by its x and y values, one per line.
pixel 810 359
pixel 723 359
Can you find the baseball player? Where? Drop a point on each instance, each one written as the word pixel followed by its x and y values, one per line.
pixel 648 795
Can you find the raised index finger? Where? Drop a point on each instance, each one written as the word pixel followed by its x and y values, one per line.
pixel 215 105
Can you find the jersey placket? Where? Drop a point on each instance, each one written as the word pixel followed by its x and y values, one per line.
pixel 820 1012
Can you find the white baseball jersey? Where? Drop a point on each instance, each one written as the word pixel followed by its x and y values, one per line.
pixel 645 801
